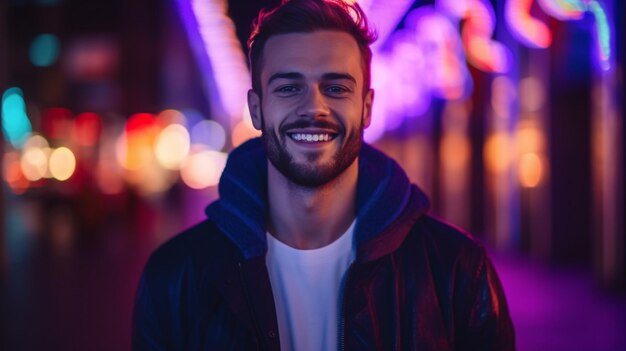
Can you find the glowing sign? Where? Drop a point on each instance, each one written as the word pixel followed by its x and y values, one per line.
pixel 603 34
pixel 534 33
pixel 525 28
pixel 563 9
pixel 480 20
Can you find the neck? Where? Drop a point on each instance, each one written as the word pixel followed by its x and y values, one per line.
pixel 310 218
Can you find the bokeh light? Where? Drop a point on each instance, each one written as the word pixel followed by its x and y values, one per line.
pixel 134 149
pixel 172 116
pixel 15 122
pixel 529 138
pixel 172 146
pixel 203 169
pixel 192 116
pixel 496 152
pixel 44 50
pixel 530 170
pixel 209 133
pixel 87 128
pixel 532 94
pixel 34 163
pixel 503 94
pixel 12 173
pixel 36 140
pixel 455 151
pixel 62 163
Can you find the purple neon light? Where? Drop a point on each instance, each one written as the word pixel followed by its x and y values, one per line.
pixel 212 36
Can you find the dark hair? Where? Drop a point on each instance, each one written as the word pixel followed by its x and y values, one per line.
pixel 305 16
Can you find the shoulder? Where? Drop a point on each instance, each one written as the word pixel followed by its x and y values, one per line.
pixel 449 250
pixel 178 277
pixel 198 250
pixel 437 232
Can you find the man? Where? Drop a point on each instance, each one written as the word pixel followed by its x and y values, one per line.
pixel 318 242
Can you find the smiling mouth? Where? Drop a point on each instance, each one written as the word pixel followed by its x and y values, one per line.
pixel 312 137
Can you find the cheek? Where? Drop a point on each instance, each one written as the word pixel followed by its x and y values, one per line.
pixel 276 110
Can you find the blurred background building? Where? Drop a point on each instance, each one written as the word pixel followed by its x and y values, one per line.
pixel 117 118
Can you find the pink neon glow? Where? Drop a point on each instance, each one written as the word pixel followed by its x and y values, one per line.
pixel 439 43
pixel 525 28
pixel 384 15
pixel 482 52
pixel 453 8
pixel 422 61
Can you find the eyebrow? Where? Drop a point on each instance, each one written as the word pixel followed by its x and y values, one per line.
pixel 338 76
pixel 325 76
pixel 285 75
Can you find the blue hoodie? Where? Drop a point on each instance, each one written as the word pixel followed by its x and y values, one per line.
pixel 384 194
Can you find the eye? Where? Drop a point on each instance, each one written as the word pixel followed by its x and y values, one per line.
pixel 287 89
pixel 337 90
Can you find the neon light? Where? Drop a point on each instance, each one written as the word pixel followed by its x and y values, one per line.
pixel 212 35
pixel 603 34
pixel 425 60
pixel 385 15
pixel 528 30
pixel 442 51
pixel 563 9
pixel 482 52
pixel 536 34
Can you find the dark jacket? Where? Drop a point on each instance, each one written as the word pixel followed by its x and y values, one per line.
pixel 417 283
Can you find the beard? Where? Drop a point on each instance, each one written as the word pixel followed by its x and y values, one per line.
pixel 311 173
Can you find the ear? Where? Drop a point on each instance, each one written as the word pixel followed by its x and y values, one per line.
pixel 254 105
pixel 367 108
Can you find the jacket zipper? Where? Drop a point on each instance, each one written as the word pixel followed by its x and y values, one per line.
pixel 342 312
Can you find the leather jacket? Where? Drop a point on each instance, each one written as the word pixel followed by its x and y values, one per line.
pixel 417 282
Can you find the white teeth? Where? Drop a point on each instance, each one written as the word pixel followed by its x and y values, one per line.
pixel 310 137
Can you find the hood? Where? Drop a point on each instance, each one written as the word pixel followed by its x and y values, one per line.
pixel 387 203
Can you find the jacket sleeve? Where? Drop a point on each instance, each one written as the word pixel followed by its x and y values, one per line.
pixel 484 322
pixel 150 329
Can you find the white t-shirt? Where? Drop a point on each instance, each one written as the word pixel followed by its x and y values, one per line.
pixel 306 286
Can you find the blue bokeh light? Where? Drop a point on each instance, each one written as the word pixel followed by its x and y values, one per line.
pixel 44 50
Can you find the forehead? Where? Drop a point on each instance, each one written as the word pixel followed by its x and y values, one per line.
pixel 312 54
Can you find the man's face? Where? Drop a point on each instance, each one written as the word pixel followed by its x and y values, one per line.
pixel 312 111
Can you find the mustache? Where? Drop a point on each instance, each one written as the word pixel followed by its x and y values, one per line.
pixel 312 123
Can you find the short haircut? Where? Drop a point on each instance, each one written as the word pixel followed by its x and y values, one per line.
pixel 306 16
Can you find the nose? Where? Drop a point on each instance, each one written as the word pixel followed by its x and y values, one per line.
pixel 313 104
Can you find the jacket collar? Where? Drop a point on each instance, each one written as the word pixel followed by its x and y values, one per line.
pixel 387 204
